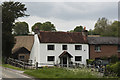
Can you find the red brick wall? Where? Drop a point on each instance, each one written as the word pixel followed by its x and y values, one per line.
pixel 106 50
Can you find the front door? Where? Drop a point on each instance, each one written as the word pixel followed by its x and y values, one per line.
pixel 65 61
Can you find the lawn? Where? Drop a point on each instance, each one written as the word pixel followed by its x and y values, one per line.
pixel 62 73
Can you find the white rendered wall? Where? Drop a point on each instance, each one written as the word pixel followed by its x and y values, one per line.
pixel 35 49
pixel 40 52
pixel 58 50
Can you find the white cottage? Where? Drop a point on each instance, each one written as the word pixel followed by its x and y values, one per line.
pixel 63 48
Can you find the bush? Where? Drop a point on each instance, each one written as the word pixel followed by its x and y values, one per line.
pixel 89 61
pixel 113 68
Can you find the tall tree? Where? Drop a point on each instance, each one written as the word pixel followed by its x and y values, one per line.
pixel 112 30
pixel 47 26
pixel 38 25
pixel 78 29
pixel 10 11
pixel 21 28
pixel 101 25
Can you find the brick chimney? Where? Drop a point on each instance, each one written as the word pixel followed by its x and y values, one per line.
pixel 36 30
pixel 85 34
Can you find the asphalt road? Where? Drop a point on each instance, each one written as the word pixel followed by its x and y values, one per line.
pixel 10 74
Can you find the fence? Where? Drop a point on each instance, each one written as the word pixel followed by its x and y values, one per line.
pixel 21 64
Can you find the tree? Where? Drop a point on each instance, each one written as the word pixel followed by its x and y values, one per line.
pixel 38 25
pixel 47 26
pixel 10 11
pixel 21 28
pixel 101 25
pixel 78 29
pixel 112 30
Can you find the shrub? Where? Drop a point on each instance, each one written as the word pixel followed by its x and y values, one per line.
pixel 113 68
pixel 90 61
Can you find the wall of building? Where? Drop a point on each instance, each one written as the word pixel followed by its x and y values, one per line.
pixel 40 52
pixel 58 50
pixel 35 50
pixel 106 50
pixel 26 57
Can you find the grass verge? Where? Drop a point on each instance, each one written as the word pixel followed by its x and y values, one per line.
pixel 12 67
pixel 61 73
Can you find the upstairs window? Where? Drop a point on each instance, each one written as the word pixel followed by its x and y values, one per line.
pixel 78 58
pixel 50 47
pixel 50 58
pixel 78 47
pixel 97 48
pixel 64 47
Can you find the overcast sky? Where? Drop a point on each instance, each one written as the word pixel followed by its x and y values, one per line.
pixel 66 15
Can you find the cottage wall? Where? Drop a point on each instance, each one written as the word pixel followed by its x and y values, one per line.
pixel 58 50
pixel 40 52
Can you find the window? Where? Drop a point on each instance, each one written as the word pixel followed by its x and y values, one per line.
pixel 78 58
pixel 64 47
pixel 97 48
pixel 50 47
pixel 50 58
pixel 119 47
pixel 78 47
pixel 21 57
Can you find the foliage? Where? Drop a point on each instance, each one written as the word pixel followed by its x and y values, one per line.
pixel 90 61
pixel 104 27
pixel 10 11
pixel 101 25
pixel 38 25
pixel 113 69
pixel 78 29
pixel 112 30
pixel 20 28
pixel 114 59
pixel 92 32
pixel 61 73
pixel 47 26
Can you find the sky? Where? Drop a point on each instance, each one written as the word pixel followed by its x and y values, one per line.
pixel 66 15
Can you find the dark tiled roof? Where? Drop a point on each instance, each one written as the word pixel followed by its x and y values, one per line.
pixel 61 37
pixel 23 41
pixel 103 40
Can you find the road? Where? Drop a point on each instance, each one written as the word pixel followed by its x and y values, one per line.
pixel 10 74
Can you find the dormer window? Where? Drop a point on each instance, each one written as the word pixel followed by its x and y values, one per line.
pixel 97 48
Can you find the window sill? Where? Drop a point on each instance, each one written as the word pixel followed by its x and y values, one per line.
pixel 118 51
pixel 98 51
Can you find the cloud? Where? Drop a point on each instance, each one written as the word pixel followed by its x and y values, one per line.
pixel 73 10
pixel 67 15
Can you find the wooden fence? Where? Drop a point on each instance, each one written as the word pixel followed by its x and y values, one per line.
pixel 21 64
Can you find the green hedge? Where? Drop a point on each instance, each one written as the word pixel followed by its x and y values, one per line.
pixel 90 61
pixel 113 69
